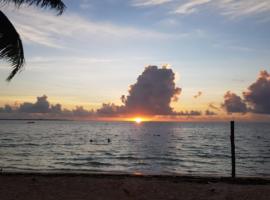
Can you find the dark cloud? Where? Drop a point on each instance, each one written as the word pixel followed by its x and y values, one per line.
pixel 111 109
pixel 234 103
pixel 43 106
pixel 153 92
pixel 188 113
pixel 198 95
pixel 210 113
pixel 56 108
pixel 6 109
pixel 258 94
pixel 40 106
pixel 79 111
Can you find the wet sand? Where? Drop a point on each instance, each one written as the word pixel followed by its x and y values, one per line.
pixel 34 186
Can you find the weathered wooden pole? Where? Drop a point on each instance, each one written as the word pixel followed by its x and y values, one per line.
pixel 232 149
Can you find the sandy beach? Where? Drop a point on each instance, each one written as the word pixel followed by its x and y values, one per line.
pixel 33 186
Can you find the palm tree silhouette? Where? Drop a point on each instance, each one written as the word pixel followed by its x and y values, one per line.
pixel 11 47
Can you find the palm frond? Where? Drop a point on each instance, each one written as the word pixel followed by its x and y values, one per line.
pixel 53 4
pixel 11 47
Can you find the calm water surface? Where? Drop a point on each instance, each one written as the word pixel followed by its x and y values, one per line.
pixel 150 148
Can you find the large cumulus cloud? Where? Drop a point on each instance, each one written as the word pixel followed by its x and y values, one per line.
pixel 234 103
pixel 40 106
pixel 256 99
pixel 258 94
pixel 153 92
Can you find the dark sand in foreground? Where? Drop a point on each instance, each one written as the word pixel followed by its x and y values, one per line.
pixel 15 186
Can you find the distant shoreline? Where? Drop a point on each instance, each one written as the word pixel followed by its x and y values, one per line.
pixel 176 177
pixel 36 119
pixel 126 121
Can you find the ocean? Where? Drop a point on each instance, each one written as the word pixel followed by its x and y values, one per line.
pixel 169 148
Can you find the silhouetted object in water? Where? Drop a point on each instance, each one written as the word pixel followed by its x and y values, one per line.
pixel 11 47
pixel 232 149
pixel 109 140
pixel 91 140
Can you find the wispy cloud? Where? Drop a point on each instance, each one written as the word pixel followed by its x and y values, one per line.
pixel 44 28
pixel 85 4
pixel 149 2
pixel 190 6
pixel 229 8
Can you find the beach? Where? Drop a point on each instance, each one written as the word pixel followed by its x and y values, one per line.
pixel 72 186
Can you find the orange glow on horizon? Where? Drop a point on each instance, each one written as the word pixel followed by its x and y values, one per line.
pixel 138 120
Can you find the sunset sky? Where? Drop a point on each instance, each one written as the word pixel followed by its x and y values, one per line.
pixel 92 53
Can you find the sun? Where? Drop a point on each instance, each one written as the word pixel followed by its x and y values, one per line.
pixel 138 120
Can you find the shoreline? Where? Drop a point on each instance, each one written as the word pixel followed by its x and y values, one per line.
pixel 78 186
pixel 176 177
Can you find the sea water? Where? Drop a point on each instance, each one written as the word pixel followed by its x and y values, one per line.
pixel 125 147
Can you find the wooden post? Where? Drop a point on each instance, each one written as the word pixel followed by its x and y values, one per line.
pixel 232 149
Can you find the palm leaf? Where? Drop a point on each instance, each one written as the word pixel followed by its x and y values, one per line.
pixel 53 4
pixel 11 47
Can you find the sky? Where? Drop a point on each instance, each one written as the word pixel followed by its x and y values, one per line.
pixel 213 51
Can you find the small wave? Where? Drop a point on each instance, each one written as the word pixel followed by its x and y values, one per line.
pixel 108 154
pixel 85 164
pixel 83 159
pixel 126 158
pixel 6 139
pixel 18 144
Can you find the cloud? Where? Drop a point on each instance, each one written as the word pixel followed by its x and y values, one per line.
pixel 238 8
pixel 210 113
pixel 43 28
pixel 258 94
pixel 81 112
pixel 213 106
pixel 234 103
pixel 198 95
pixel 140 3
pixel 188 113
pixel 190 7
pixel 6 109
pixel 229 8
pixel 85 4
pixel 153 92
pixel 255 98
pixel 111 109
pixel 40 106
